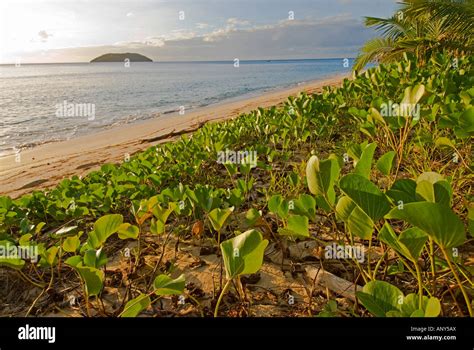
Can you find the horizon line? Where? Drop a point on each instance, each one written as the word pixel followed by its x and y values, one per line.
pixel 183 61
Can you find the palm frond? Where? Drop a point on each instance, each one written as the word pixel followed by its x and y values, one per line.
pixel 458 14
pixel 388 27
pixel 372 51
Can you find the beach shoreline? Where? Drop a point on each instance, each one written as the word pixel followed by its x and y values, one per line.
pixel 46 165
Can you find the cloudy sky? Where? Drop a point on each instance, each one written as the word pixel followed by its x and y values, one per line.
pixel 47 31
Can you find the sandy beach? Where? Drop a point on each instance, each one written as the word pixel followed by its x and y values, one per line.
pixel 45 165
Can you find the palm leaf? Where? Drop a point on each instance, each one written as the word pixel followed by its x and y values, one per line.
pixel 373 50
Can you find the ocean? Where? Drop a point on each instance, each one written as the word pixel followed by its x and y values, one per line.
pixel 52 102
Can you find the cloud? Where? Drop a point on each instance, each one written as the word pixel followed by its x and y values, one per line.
pixel 44 36
pixel 235 25
pixel 159 41
pixel 232 25
pixel 149 41
pixel 179 34
pixel 336 36
pixel 201 25
pixel 237 22
pixel 130 14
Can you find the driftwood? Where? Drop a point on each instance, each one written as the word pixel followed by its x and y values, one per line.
pixel 318 276
pixel 336 284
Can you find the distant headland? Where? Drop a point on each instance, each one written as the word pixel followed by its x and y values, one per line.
pixel 121 57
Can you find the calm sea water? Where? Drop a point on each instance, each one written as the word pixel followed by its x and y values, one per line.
pixel 44 103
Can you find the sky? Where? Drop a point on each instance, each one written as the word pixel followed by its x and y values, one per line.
pixel 45 31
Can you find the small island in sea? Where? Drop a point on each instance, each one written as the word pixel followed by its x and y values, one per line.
pixel 120 57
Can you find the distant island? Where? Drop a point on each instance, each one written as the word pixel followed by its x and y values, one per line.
pixel 121 57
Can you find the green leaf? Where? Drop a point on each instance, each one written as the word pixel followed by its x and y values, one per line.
pixel 380 297
pixel 376 116
pixel 355 150
pixel 297 226
pixel 135 306
pixel 279 206
pixel 444 142
pixel 366 195
pixel 360 224
pixel 201 196
pixel 416 313
pixel 9 256
pixel 409 244
pixel 16 264
pixel 218 217
pixel 413 94
pixel 50 255
pixel 90 257
pixel 385 163
pixel 321 176
pixel 414 240
pixel 243 255
pixel 25 239
pixel 156 227
pixel 165 285
pixel 432 187
pixel 163 214
pixel 411 307
pixel 93 279
pixel 126 231
pixel 73 261
pixel 432 307
pixel 305 205
pixel 465 126
pixel 39 227
pixel 252 216
pixel 71 244
pixel 324 204
pixel 435 219
pixel 5 202
pixel 364 165
pixel 403 190
pixel 345 206
pixel 104 227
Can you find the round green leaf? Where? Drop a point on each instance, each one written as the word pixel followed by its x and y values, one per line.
pixel 364 164
pixel 218 217
pixel 380 297
pixel 297 225
pixel 384 164
pixel 403 190
pixel 93 279
pixel 127 231
pixel 104 227
pixel 366 195
pixel 135 306
pixel 360 224
pixel 165 285
pixel 438 221
pixel 243 255
pixel 71 244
